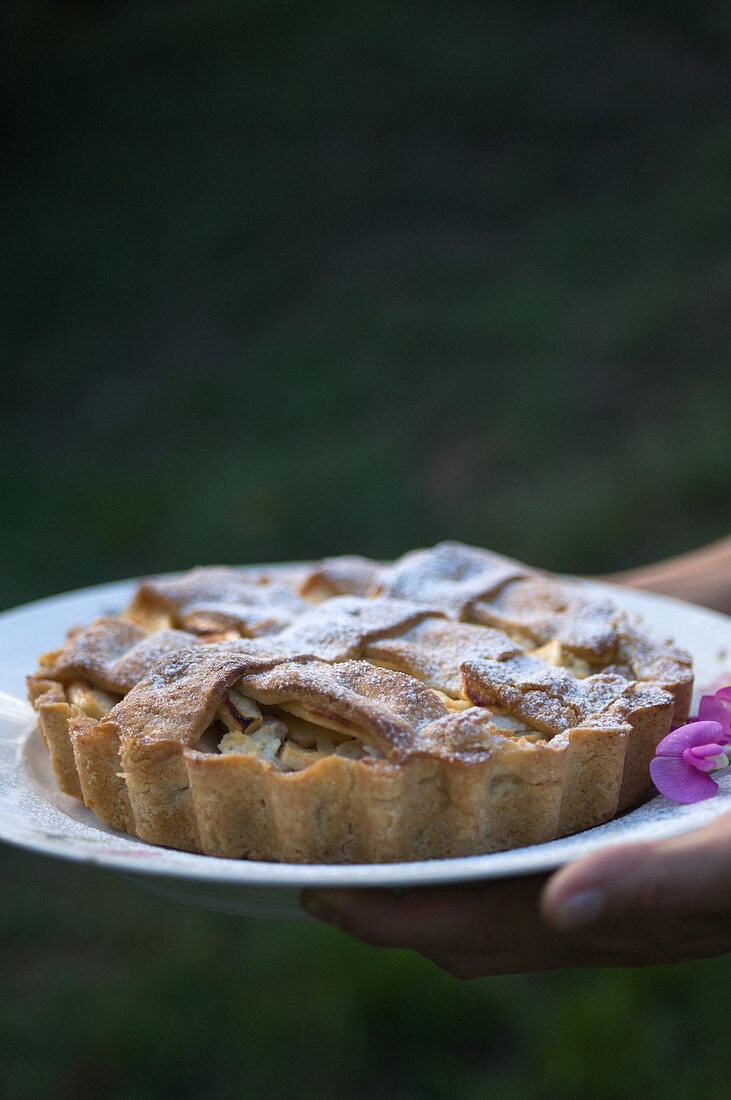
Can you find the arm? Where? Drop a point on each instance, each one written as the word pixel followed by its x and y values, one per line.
pixel 702 576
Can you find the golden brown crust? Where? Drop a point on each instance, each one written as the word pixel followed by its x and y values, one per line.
pixel 54 715
pixel 104 790
pixel 449 704
pixel 349 575
pixel 216 597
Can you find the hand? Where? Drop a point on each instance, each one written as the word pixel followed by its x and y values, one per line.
pixel 633 905
pixel 702 576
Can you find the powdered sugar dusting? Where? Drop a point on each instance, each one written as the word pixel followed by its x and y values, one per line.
pixel 208 598
pixel 309 658
pixel 543 609
pixel 341 627
pixel 449 577
pixel 541 695
pixel 347 575
pixel 383 708
pixel 434 650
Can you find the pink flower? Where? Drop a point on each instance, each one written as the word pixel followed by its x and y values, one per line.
pixel 686 757
pixel 717 708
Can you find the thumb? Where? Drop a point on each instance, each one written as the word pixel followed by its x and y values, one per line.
pixel 685 875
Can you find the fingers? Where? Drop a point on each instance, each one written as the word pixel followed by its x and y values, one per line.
pixel 684 876
pixel 636 904
pixel 688 875
pixel 632 905
pixel 492 928
pixel 431 917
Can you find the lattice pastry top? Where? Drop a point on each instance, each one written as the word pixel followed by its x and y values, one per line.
pixel 450 703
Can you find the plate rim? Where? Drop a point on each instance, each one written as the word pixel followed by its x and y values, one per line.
pixel 138 857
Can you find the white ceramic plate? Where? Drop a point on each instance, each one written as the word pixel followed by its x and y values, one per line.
pixel 35 815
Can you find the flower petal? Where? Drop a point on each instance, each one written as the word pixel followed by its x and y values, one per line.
pixel 685 737
pixel 717 708
pixel 680 781
pixel 700 752
pixel 707 758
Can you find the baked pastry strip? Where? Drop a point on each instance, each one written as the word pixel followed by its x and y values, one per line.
pixel 528 605
pixel 393 664
pixel 216 597
pixel 613 727
pixel 54 715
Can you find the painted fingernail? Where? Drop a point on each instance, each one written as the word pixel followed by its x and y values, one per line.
pixel 579 909
pixel 323 904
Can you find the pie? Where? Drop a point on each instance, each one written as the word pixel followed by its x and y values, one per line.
pixel 450 703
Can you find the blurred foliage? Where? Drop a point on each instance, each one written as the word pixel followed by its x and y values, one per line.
pixel 294 280
pixel 287 280
pixel 109 991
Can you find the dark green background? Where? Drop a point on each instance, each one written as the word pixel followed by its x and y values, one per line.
pixel 287 280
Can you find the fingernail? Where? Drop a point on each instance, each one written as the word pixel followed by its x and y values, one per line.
pixel 323 904
pixel 579 909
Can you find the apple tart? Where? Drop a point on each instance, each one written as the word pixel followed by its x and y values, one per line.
pixel 451 703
